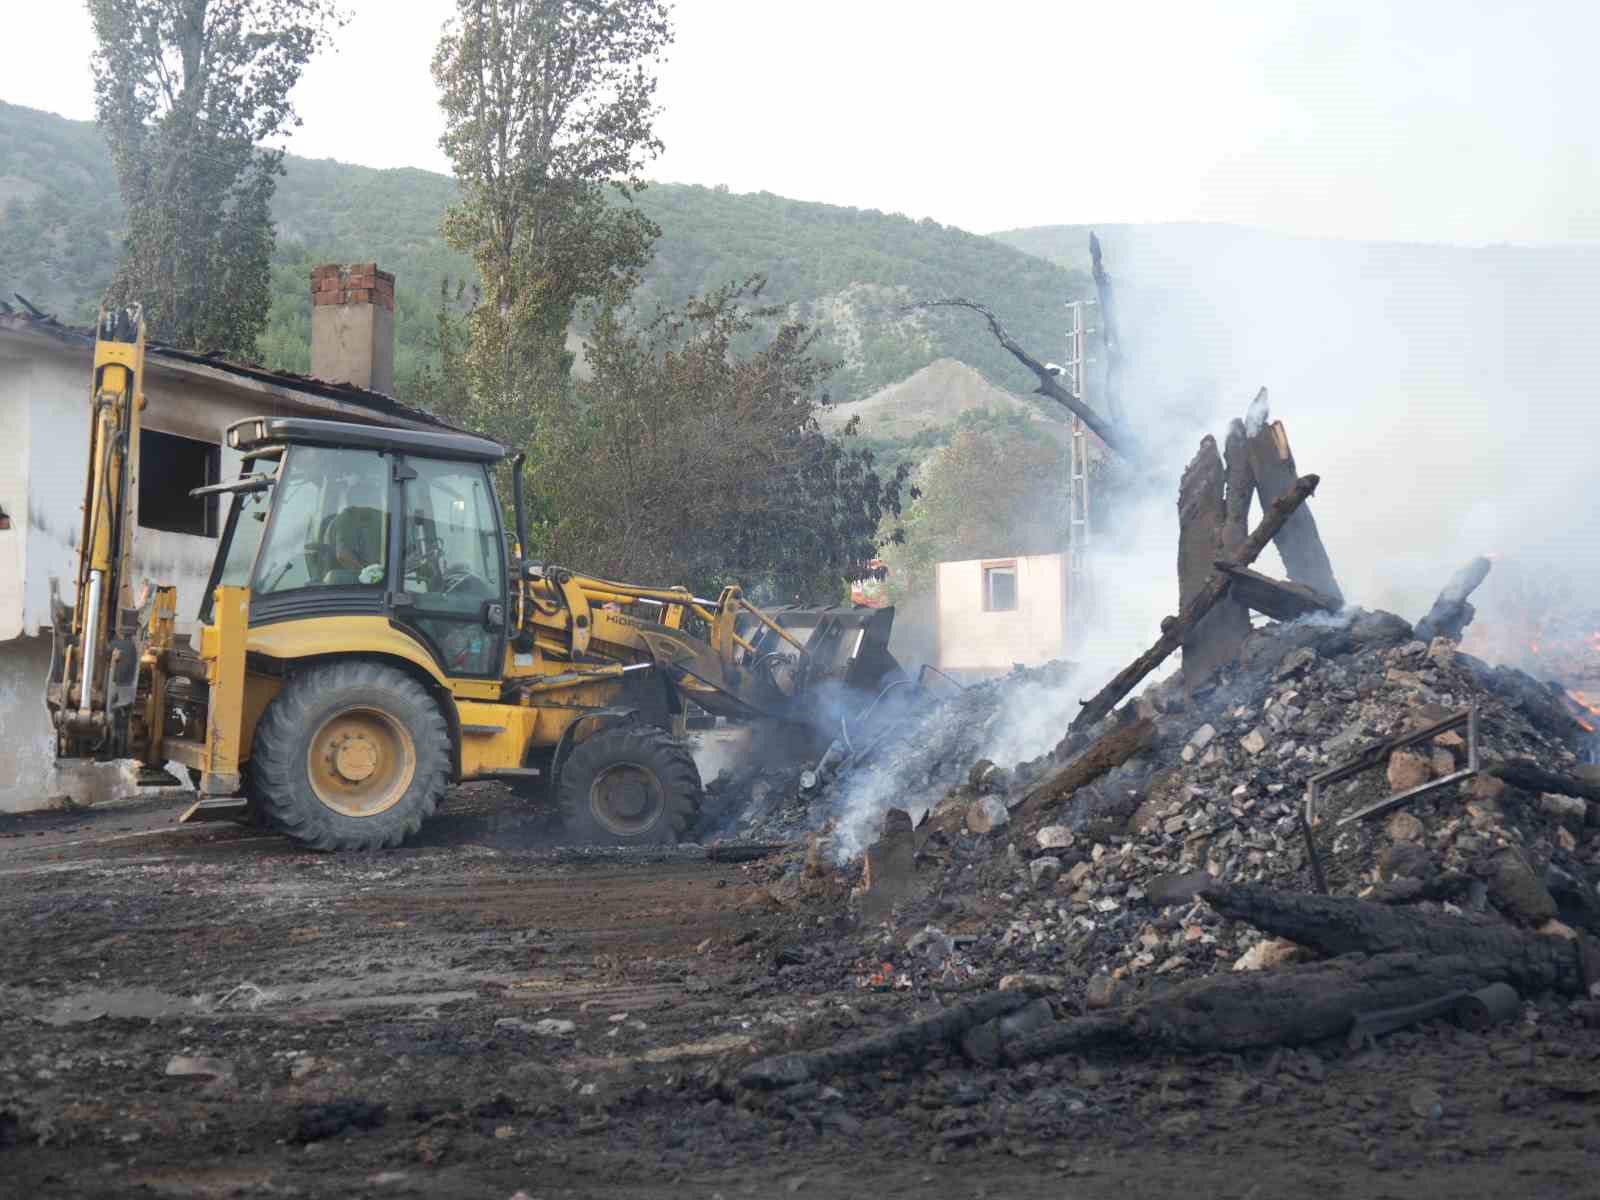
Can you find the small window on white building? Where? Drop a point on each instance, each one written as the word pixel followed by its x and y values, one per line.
pixel 1000 587
pixel 169 466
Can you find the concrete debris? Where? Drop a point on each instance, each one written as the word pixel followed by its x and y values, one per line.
pixel 1054 837
pixel 987 814
pixel 1099 885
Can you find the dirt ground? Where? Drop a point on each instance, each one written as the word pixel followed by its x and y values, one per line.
pixel 370 1025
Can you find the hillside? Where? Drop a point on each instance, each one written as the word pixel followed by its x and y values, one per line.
pixel 846 270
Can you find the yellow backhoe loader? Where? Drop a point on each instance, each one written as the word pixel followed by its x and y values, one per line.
pixel 371 635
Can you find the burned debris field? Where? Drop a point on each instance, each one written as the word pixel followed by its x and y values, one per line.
pixel 1311 915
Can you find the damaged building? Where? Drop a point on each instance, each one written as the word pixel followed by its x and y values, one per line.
pixel 191 399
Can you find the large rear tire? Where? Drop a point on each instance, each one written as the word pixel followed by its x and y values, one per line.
pixel 629 785
pixel 350 756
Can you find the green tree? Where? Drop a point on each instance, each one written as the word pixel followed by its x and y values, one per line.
pixel 684 461
pixel 549 111
pixel 995 490
pixel 187 92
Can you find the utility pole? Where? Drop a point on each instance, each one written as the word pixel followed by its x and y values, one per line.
pixel 1079 593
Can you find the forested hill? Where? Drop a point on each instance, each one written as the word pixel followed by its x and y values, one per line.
pixel 847 270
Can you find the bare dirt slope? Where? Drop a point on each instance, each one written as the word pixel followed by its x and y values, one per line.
pixel 206 1011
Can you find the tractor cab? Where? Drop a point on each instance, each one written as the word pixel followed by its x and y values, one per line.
pixel 335 519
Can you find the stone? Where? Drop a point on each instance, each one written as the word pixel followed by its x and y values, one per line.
pixel 986 814
pixel 1442 762
pixel 1556 928
pixel 1451 740
pixel 1270 953
pixel 1255 741
pixel 1426 1102
pixel 1201 738
pixel 1405 860
pixel 1079 873
pixel 1570 811
pixel 1295 662
pixel 1487 788
pixel 184 1066
pixel 1054 837
pixel 1403 827
pixel 1103 991
pixel 1442 653
pixel 1407 770
pixel 1517 891
pixel 554 1027
pixel 1045 870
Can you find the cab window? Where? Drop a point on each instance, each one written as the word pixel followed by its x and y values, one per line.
pixel 330 522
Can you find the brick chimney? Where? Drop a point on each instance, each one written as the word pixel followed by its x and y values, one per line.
pixel 352 325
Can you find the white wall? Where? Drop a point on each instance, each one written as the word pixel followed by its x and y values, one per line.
pixel 973 640
pixel 44 431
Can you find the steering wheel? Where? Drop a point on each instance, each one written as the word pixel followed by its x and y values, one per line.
pixel 460 581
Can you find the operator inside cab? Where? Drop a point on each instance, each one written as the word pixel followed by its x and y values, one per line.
pixel 355 538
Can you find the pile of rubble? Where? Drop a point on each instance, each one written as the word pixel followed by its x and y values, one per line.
pixel 1096 896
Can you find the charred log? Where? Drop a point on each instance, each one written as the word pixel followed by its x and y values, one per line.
pixel 1305 559
pixel 1203 533
pixel 1528 775
pixel 1279 600
pixel 1108 753
pixel 1451 613
pixel 786 1070
pixel 1175 628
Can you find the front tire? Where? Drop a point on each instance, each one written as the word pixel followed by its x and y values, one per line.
pixel 629 785
pixel 350 756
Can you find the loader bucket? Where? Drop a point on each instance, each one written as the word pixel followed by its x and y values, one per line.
pixel 848 662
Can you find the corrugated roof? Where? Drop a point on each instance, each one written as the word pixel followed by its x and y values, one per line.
pixel 378 403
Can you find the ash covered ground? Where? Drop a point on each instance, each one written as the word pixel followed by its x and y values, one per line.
pixel 210 1012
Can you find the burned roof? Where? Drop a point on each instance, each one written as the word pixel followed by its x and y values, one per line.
pixel 380 405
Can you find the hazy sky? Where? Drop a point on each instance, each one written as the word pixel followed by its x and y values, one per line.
pixel 1429 120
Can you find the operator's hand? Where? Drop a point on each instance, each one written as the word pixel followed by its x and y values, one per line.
pixel 372 573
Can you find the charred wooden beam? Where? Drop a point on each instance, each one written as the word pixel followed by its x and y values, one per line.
pixel 1049 382
pixel 1110 751
pixel 1305 559
pixel 1528 775
pixel 1173 629
pixel 786 1070
pixel 1451 613
pixel 1279 600
pixel 1203 514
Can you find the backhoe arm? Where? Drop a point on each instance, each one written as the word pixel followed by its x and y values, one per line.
pixel 94 672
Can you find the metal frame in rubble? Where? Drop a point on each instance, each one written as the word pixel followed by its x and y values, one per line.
pixel 1368 759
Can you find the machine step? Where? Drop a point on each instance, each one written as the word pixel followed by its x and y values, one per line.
pixel 216 808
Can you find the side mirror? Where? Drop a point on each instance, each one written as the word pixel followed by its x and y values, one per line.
pixel 494 614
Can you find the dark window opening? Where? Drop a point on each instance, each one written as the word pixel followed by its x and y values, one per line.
pixel 1000 588
pixel 169 466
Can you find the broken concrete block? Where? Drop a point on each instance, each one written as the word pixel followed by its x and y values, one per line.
pixel 1403 827
pixel 1571 811
pixel 987 814
pixel 1201 738
pixel 1407 770
pixel 1054 837
pixel 1265 955
pixel 1045 870
pixel 1255 741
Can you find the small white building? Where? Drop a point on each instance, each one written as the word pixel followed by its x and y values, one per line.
pixel 994 613
pixel 191 400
